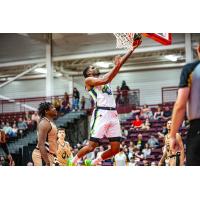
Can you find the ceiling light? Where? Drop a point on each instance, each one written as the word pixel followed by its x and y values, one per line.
pixel 172 58
pixel 41 70
pixel 103 64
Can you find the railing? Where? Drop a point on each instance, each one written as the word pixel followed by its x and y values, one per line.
pixel 125 102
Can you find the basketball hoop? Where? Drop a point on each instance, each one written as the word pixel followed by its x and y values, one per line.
pixel 126 40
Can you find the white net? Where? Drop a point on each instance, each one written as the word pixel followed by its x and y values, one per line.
pixel 124 40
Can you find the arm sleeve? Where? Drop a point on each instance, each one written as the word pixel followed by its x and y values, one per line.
pixel 185 74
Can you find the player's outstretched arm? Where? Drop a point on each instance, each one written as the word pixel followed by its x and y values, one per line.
pixel 91 81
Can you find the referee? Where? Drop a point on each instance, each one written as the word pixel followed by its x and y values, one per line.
pixel 188 97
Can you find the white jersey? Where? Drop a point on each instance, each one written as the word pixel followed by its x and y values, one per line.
pixel 103 96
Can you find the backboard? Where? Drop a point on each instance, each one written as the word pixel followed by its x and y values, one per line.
pixel 163 38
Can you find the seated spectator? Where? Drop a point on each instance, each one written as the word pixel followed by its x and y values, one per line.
pixel 158 114
pixel 131 150
pixel 35 120
pixel 14 130
pixel 65 105
pixel 153 163
pixel 146 112
pixel 22 126
pixel 124 91
pixel 3 145
pixel 27 115
pixel 2 125
pixel 135 112
pixel 8 130
pixel 164 130
pixel 118 96
pixel 132 162
pixel 146 151
pixel 82 103
pixel 153 142
pixel 146 162
pixel 146 125
pixel 167 113
pixel 120 158
pixel 124 132
pixel 137 123
pixel 75 100
pixel 140 142
pixel 57 104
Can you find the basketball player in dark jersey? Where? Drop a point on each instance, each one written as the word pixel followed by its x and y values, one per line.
pixel 46 148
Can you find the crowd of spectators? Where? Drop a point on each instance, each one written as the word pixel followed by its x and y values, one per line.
pixel 137 152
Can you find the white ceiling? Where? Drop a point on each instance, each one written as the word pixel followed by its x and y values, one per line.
pixel 29 47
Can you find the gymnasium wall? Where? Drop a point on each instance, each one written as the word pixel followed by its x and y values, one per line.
pixel 149 83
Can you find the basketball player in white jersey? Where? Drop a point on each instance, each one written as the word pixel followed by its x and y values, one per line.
pixel 46 148
pixel 105 121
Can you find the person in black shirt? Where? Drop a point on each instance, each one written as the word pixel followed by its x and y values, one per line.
pixel 188 96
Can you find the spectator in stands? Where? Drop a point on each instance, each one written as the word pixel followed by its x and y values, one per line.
pixel 153 163
pixel 82 103
pixel 131 150
pixel 8 130
pixel 35 120
pixel 124 91
pixel 146 151
pixel 65 105
pixel 75 100
pixel 120 158
pixel 14 130
pixel 146 162
pixel 167 114
pixel 27 115
pixel 22 126
pixel 153 142
pixel 146 125
pixel 57 104
pixel 2 125
pixel 158 114
pixel 135 112
pixel 3 145
pixel 137 123
pixel 146 112
pixel 132 162
pixel 118 95
pixel 124 132
pixel 140 142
